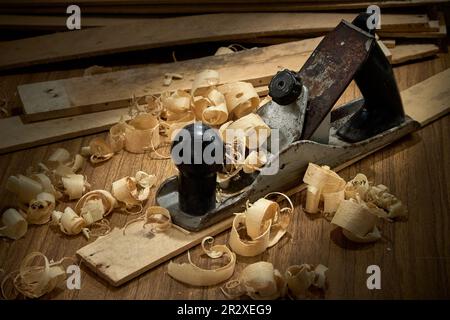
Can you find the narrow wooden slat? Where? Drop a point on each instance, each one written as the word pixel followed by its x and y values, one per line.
pixel 177 31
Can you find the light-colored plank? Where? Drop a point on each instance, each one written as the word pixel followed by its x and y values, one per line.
pixel 389 43
pixel 119 258
pixel 58 23
pixel 74 96
pixel 174 31
pixel 16 135
pixel 407 52
pixel 428 100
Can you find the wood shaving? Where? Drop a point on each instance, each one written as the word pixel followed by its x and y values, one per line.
pixel 68 221
pixel 261 226
pixel 36 276
pixel 133 191
pixel 300 279
pixel 354 206
pixel 40 209
pixel 203 81
pixel 157 217
pixel 75 185
pixel 191 274
pixel 261 281
pixel 241 97
pixel 98 150
pixel 95 205
pixel 14 225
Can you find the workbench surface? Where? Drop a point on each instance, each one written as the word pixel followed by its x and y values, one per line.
pixel 414 256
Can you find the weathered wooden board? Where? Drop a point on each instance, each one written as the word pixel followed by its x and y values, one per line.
pixel 407 52
pixel 428 100
pixel 16 135
pixel 160 7
pixel 67 97
pixel 118 258
pixel 176 31
pixel 58 23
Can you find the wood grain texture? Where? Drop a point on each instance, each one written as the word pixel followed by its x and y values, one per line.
pixel 413 255
pixel 177 31
pixel 407 52
pixel 67 97
pixel 189 8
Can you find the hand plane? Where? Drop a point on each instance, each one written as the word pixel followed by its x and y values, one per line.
pixel 309 129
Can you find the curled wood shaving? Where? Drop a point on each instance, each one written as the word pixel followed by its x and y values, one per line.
pixel 203 81
pixel 14 225
pixel 142 133
pixel 24 187
pixel 75 185
pixel 41 208
pixel 157 217
pixel 133 191
pixel 300 279
pixel 95 205
pixel 260 281
pixel 261 226
pixel 355 217
pixel 241 98
pixel 321 180
pixel 251 126
pixel 98 150
pixel 36 276
pixel 212 108
pixel 356 205
pixel 68 221
pixel 191 274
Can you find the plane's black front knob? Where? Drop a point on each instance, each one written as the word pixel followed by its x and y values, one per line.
pixel 197 151
pixel 285 87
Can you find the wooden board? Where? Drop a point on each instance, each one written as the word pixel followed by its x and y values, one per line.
pixel 385 50
pixel 118 258
pixel 16 135
pixel 188 8
pixel 428 100
pixel 407 52
pixel 177 31
pixel 58 23
pixel 53 99
pixel 390 43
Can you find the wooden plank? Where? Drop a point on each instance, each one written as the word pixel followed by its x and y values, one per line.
pixel 283 6
pixel 428 100
pixel 119 257
pixel 389 43
pixel 53 99
pixel 173 31
pixel 385 50
pixel 58 23
pixel 407 52
pixel 16 135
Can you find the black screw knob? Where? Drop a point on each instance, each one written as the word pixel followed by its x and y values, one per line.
pixel 285 87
